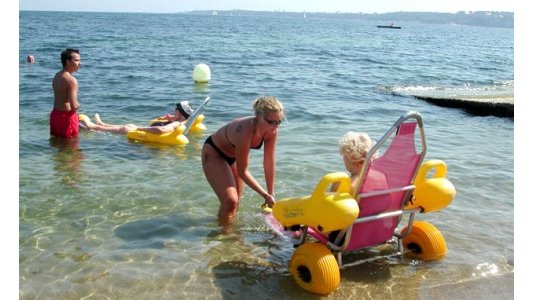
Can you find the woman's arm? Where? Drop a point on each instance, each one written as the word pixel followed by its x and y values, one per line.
pixel 161 129
pixel 242 158
pixel 269 162
pixel 269 166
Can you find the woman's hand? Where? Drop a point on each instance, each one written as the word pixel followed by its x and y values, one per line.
pixel 269 200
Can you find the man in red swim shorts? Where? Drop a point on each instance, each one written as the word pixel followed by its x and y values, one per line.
pixel 64 118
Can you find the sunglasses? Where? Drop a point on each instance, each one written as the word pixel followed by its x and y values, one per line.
pixel 273 122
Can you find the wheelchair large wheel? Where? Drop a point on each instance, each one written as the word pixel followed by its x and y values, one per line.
pixel 425 242
pixel 314 268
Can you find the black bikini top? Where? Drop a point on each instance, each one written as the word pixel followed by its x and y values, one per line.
pixel 161 123
pixel 256 147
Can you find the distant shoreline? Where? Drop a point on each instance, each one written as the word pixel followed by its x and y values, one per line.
pixel 471 18
pixel 500 19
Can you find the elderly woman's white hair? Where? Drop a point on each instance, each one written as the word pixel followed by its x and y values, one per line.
pixel 355 146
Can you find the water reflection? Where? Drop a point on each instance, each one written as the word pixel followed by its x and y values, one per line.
pixel 68 159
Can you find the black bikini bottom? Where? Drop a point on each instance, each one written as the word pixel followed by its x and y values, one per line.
pixel 229 160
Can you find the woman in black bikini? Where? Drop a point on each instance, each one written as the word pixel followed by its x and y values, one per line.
pixel 225 156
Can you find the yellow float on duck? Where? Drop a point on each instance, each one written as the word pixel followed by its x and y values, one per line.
pixel 322 210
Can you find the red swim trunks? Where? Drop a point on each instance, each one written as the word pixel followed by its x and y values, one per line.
pixel 64 123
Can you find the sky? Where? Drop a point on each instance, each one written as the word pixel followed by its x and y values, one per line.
pixel 364 6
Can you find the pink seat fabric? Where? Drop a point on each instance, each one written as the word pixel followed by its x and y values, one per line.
pixel 394 169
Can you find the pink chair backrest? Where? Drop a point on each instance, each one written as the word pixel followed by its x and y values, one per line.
pixel 394 169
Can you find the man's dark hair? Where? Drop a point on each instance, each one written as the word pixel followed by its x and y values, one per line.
pixel 67 54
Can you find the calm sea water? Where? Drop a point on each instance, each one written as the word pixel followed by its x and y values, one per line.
pixel 107 218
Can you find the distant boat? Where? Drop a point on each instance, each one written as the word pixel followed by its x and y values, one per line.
pixel 391 25
pixel 215 13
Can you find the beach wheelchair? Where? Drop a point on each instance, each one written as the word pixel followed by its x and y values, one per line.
pixel 397 183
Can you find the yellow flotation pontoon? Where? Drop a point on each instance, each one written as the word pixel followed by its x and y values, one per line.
pixel 175 137
pixel 435 193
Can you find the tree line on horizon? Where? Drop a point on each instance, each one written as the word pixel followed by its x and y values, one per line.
pixel 471 18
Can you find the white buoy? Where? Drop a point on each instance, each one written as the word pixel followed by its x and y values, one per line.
pixel 201 73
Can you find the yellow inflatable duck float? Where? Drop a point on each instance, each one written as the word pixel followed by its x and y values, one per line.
pixel 325 211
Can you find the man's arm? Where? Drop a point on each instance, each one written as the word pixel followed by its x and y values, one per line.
pixel 73 93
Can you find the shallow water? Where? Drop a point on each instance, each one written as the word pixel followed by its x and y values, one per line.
pixel 108 217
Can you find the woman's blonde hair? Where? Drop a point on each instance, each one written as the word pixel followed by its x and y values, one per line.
pixel 355 146
pixel 264 105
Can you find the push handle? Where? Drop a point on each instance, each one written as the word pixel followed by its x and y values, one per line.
pixel 326 181
pixel 437 164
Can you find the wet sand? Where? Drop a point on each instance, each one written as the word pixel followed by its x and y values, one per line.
pixel 491 287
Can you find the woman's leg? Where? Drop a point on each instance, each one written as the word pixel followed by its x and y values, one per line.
pixel 220 176
pixel 99 121
pixel 238 181
pixel 101 126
